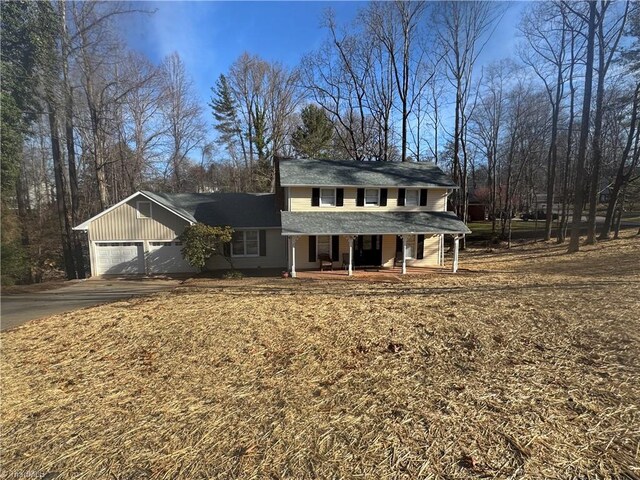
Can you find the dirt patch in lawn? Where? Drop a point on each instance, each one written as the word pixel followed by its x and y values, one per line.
pixel 526 365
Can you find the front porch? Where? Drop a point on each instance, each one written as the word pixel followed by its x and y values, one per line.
pixel 346 240
pixel 348 255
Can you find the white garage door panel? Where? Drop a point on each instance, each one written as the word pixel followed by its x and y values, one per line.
pixel 166 257
pixel 119 258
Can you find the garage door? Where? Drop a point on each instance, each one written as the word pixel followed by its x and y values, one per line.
pixel 166 257
pixel 119 258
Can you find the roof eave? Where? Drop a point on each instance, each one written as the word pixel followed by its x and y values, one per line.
pixel 418 232
pixel 367 186
pixel 85 225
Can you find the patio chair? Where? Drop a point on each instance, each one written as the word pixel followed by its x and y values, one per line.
pixel 325 262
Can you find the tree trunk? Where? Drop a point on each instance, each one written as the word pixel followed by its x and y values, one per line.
pixel 574 243
pixel 22 204
pixel 621 177
pixel 564 218
pixel 597 141
pixel 63 218
pixel 71 153
pixel 464 185
pixel 620 208
pixel 553 150
pixel 456 148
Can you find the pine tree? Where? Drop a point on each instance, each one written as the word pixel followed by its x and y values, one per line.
pixel 313 138
pixel 225 115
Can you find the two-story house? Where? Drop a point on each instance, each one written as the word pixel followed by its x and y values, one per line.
pixel 356 214
pixel 366 214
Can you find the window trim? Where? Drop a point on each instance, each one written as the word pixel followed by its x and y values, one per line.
pixel 326 205
pixel 417 193
pixel 330 253
pixel 413 243
pixel 377 204
pixel 244 244
pixel 138 215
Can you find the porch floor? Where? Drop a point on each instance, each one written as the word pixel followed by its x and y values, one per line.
pixel 372 274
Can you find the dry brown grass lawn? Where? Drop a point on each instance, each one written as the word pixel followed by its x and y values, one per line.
pixel 525 365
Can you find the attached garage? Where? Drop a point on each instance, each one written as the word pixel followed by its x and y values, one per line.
pixel 166 257
pixel 140 235
pixel 119 258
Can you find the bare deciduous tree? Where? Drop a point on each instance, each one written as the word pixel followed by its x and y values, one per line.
pixel 463 31
pixel 182 117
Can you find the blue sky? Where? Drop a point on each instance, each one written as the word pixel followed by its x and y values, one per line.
pixel 209 36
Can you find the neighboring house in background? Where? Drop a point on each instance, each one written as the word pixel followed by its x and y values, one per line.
pixel 540 203
pixel 351 214
pixel 604 194
pixel 478 208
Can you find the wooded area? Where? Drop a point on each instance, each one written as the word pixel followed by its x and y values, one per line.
pixel 87 122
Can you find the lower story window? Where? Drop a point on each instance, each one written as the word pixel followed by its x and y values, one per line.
pixel 410 246
pixel 245 243
pixel 324 245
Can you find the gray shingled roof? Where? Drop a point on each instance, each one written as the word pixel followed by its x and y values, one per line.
pixel 370 223
pixel 338 173
pixel 238 210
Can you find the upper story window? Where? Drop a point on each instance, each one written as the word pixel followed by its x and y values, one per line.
pixel 412 197
pixel 327 197
pixel 371 197
pixel 143 209
pixel 245 243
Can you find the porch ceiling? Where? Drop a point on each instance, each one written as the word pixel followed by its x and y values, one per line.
pixel 370 223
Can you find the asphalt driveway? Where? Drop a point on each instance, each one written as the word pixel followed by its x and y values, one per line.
pixel 19 308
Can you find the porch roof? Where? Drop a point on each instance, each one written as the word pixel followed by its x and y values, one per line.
pixel 370 223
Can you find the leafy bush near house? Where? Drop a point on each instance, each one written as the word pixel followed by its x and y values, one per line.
pixel 233 275
pixel 202 241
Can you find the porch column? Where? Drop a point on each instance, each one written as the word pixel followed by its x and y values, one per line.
pixel 404 254
pixel 350 239
pixel 456 246
pixel 293 239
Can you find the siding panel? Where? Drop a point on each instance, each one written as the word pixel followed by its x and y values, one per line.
pixel 300 201
pixel 431 249
pixel 275 255
pixel 122 223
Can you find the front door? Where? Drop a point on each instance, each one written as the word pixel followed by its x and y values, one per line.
pixel 368 251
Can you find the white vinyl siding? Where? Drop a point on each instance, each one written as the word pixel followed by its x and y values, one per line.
pixel 245 243
pixel 122 224
pixel 300 201
pixel 327 197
